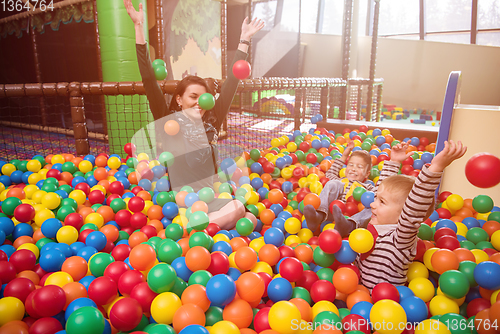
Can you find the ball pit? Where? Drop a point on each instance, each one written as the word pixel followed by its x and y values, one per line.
pixel 99 244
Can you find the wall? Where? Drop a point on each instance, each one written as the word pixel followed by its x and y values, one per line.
pixel 415 73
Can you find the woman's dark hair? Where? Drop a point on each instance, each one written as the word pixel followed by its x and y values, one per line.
pixel 183 85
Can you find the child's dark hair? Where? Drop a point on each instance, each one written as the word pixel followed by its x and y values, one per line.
pixel 402 184
pixel 363 155
pixel 183 85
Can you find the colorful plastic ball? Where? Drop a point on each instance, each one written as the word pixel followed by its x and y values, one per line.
pixel 221 290
pixel 198 221
pixel 206 101
pixel 12 309
pixel 487 275
pixel 482 203
pixel 322 290
pixel 125 314
pixel 291 269
pixel 241 69
pixel 48 300
pixel 24 213
pixel 194 329
pixel 102 290
pixel 361 240
pixel 85 320
pixel 51 260
pixel 454 284
pixel 346 254
pixel 46 325
pixel 160 72
pixel 415 308
pixel 274 236
pixel 161 278
pixel 142 257
pixel 283 315
pixel 171 127
pixel 388 317
pixel 96 239
pixel 483 170
pixel 245 258
pixel 279 289
pixel 422 288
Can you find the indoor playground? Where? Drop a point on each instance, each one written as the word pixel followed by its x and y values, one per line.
pixel 95 240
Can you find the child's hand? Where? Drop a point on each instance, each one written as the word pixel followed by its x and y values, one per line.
pixel 398 152
pixel 250 28
pixel 136 16
pixel 451 152
pixel 347 151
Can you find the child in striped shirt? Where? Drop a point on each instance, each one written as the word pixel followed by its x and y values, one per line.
pixel 401 205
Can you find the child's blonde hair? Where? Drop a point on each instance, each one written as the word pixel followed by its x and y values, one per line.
pixel 363 155
pixel 402 184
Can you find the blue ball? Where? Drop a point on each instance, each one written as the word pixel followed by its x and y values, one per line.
pixel 314 120
pixel 257 182
pixel 367 198
pixel 325 143
pixel 434 216
pixel 404 292
pixel 77 180
pixel 2 237
pixel 51 260
pixel 285 215
pixel 222 246
pixel 279 289
pixel 363 309
pixel 415 141
pixel 418 164
pixel 243 180
pixel 50 227
pixel 415 309
pixel 90 158
pixel 17 176
pixel 57 166
pixel 276 208
pixel 63 248
pixel 279 223
pixel 374 153
pixel 78 303
pixel 234 273
pixel 316 144
pixel 76 246
pixel 446 223
pixel 194 329
pixel 376 132
pixel 288 160
pixel 256 168
pixel 180 267
pixel 8 249
pixel 170 210
pixel 470 222
pixel 96 239
pixel 162 185
pixel 280 163
pixel 287 187
pixel 262 191
pixel 86 281
pixel 86 252
pixel 426 157
pixel 221 290
pixel 91 181
pixel 228 166
pixel 158 171
pixel 234 234
pixel 145 184
pixel 25 177
pixel 6 225
pixel 346 255
pixel 384 146
pixel 124 181
pixel 487 275
pixel 190 199
pixel 5 180
pixel 274 236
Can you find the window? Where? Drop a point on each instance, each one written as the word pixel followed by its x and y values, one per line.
pixel 333 17
pixel 267 12
pixel 488 18
pixel 399 17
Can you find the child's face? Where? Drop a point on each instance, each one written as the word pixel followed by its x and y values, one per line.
pixel 189 101
pixel 356 169
pixel 387 207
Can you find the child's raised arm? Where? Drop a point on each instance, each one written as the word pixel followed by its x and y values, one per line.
pixel 347 151
pixel 451 152
pixel 398 152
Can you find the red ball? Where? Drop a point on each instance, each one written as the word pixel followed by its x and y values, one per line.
pixel 351 209
pixel 323 290
pixel 83 187
pixel 149 230
pixel 121 252
pixel 111 198
pixel 129 148
pixel 49 300
pixel 56 174
pixel 122 218
pixel 212 229
pixel 7 272
pixel 424 141
pixel 330 241
pixel 241 69
pixel 267 279
pixel 138 220
pixel 448 242
pixel 441 232
pixel 74 219
pixel 286 251
pixel 129 280
pixel 291 269
pixel 307 279
pixel 219 263
pixel 19 287
pixel 102 290
pixel 304 146
pixel 23 259
pixel 136 204
pixel 477 305
pixel 354 322
pixel 338 203
pixel 125 314
pixel 46 325
pixel 144 295
pixel 116 187
pixel 24 213
pixel 96 197
pixel 407 169
pixel 116 269
pixel 261 320
pixel 443 213
pixel 385 290
pixel 443 196
pixel 483 170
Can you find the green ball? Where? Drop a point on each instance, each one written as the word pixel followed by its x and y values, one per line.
pixel 163 198
pixel 225 188
pixel 395 142
pixel 133 162
pixel 494 216
pixel 99 262
pixel 358 192
pixel 206 101
pixel 67 188
pixel 294 204
pixel 484 244
pixel 467 244
pixel 85 320
pixel 23 166
pixel 69 167
pixel 244 226
pixel 122 235
pixel 327 318
pixel 323 259
pixel 325 274
pixel 482 203
pixel 198 221
pixel 456 323
pixel 174 231
pixel 276 173
pixel 213 315
pixel 467 268
pixel 302 293
pixel 161 278
pixel 255 154
pixel 42 242
pixel 160 72
pixel 63 211
pixel 300 155
pixel 159 329
pixel 96 206
pixel 159 62
pixel 169 250
pixel 367 146
pixel 241 192
pixel 249 162
pixel 51 180
pixel 117 204
pixel 343 312
pixel 253 209
pixel 200 239
pixel 374 172
pixel 476 235
pixel 179 286
pixel 206 194
pixel 78 173
pixel 10 204
pixel 454 284
pixel 155 242
pixel 89 226
pixel 425 232
pixel 69 202
pixel 200 277
pixel 319 157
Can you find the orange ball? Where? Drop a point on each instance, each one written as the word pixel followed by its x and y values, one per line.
pixel 171 127
pixel 145 195
pixel 179 198
pixel 250 286
pixel 22 240
pixel 155 212
pixel 245 258
pixel 198 258
pixel 267 216
pixel 304 253
pixel 101 161
pixel 76 266
pixel 345 280
pixel 15 327
pixel 239 312
pixel 237 243
pixel 491 227
pixel 37 235
pixel 156 223
pixel 443 260
pixel 495 311
pixel 133 177
pixel 142 257
pixel 275 196
pixel 196 294
pixel 188 314
pixel 74 290
pixel 16 192
pixel 106 212
pixel 137 238
pixel 356 297
pixel 495 258
pixel 199 206
pixel 312 199
pixel 100 173
pixel 31 275
pixel 184 243
pixel 111 232
pixel 464 212
pixel 483 323
pixel 304 308
pixel 463 254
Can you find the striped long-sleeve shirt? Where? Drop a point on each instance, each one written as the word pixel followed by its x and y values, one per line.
pixel 395 250
pixel 390 168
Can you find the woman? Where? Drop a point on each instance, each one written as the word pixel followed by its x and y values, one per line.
pixel 194 146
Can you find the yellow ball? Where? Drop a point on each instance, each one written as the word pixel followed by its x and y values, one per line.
pixel 85 166
pixel 37 196
pixel 386 132
pixel 427 257
pixel 454 202
pixel 43 173
pixel 59 278
pixel 256 244
pixel 388 317
pixel 11 309
pixel 252 197
pixel 29 190
pixel 342 173
pixel 42 216
pixel 495 240
pixel 142 156
pixel 225 195
pixel 286 173
pixel 431 326
pixel 57 159
pixel 440 305
pixel 95 218
pixel 292 147
pixel 8 169
pixel 480 255
pixel 221 237
pixel 262 267
pixel 260 206
pixel 164 307
pixel 417 269
pixel 283 315
pixel 34 178
pixel 461 229
pixel 232 261
pixel 433 123
pixel 312 178
pixel 114 163
pixel 316 187
pixel 422 288
pixel 305 234
pixel 51 201
pixel 31 247
pixel 224 327
pixel 78 195
pixel 483 216
pixel 34 166
pixel 275 142
pixel 292 225
pixel 322 306
pixel 67 234
pixel 361 240
pixel 292 239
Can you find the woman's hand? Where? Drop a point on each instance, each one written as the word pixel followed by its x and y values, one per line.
pixel 250 28
pixel 136 16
